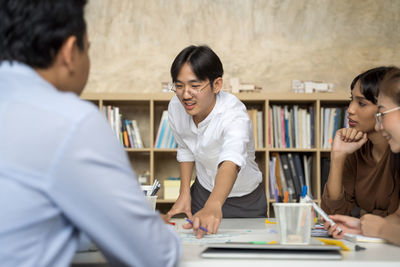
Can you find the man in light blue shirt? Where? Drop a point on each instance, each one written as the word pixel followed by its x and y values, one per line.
pixel 62 171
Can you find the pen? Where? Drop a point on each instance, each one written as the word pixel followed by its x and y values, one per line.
pixel 306 198
pixel 269 222
pixel 276 195
pixel 262 242
pixel 201 227
pixel 286 199
pixel 154 192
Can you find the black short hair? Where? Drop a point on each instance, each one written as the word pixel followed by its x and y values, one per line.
pixel 204 62
pixel 370 81
pixel 33 31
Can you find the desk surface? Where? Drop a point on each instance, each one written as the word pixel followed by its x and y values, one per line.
pixel 382 254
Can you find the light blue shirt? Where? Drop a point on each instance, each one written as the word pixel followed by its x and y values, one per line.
pixel 63 172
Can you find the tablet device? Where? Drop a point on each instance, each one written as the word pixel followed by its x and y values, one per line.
pixel 313 251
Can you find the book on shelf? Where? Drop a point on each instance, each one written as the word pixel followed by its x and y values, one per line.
pixel 124 132
pixel 332 119
pixel 270 135
pixel 289 172
pixel 127 131
pixel 138 139
pixel 164 138
pixel 291 126
pixel 256 118
pixel 260 129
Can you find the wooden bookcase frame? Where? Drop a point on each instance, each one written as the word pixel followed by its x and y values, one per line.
pixel 147 109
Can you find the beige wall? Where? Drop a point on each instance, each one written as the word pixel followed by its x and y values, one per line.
pixel 266 42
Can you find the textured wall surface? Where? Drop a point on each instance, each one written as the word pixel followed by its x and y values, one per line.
pixel 266 42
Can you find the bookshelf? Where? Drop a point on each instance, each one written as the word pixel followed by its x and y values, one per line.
pixel 147 109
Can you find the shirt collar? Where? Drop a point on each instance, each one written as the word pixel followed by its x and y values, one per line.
pixel 18 68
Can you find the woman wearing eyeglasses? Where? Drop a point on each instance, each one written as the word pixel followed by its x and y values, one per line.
pixel 214 136
pixel 388 124
pixel 360 178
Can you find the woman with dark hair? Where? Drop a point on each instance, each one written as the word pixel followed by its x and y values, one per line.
pixel 360 179
pixel 388 124
pixel 214 133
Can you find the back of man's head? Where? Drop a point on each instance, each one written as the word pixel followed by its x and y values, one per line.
pixel 33 31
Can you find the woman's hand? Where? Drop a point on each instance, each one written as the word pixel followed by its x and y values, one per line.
pixel 348 224
pixel 348 140
pixel 371 225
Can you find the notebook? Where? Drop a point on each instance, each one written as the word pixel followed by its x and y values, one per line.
pixel 362 238
pixel 243 250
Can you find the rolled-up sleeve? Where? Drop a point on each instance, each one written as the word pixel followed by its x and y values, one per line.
pixel 236 137
pixel 346 201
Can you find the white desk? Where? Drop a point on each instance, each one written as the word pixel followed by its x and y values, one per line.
pixel 376 255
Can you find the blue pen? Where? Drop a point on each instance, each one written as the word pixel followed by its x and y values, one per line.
pixel 276 195
pixel 201 227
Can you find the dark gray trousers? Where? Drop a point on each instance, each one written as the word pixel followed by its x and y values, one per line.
pixel 253 205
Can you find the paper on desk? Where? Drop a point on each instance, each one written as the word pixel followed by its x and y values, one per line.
pixel 223 236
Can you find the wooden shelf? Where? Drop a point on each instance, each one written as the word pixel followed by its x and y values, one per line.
pixel 165 150
pixel 292 149
pixel 137 149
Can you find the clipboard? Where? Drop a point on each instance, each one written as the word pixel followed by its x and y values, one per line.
pixel 244 250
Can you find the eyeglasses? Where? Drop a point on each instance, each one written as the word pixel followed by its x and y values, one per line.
pixel 379 115
pixel 193 89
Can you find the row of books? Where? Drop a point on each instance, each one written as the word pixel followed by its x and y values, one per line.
pixel 256 118
pixel 165 138
pixel 289 172
pixel 291 127
pixel 127 131
pixel 332 119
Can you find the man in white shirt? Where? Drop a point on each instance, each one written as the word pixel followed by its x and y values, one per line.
pixel 214 134
pixel 62 171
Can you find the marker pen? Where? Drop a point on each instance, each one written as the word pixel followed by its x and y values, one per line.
pixel 201 227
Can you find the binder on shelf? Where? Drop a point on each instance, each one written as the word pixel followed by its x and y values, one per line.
pixel 284 183
pixel 307 173
pixel 288 176
pixel 272 177
pixel 299 169
pixel 278 169
pixel 295 175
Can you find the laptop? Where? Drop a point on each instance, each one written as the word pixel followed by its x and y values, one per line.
pixel 245 250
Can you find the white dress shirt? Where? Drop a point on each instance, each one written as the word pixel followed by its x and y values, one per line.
pixel 224 135
pixel 63 172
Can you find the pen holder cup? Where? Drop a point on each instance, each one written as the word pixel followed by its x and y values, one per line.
pixel 152 200
pixel 293 222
